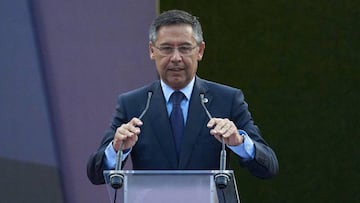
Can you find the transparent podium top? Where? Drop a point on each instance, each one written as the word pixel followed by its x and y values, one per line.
pixel 168 172
pixel 172 186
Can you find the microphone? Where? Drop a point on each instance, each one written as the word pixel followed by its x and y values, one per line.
pixel 116 178
pixel 222 178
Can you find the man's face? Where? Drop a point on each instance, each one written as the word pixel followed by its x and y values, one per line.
pixel 176 55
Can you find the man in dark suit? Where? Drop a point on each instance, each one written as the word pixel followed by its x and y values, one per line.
pixel 179 134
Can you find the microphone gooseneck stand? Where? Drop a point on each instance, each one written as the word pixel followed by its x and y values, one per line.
pixel 222 178
pixel 116 177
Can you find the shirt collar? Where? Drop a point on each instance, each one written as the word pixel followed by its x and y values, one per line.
pixel 187 90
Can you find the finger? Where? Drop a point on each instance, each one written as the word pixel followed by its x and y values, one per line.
pixel 135 122
pixel 133 126
pixel 222 126
pixel 131 130
pixel 121 132
pixel 227 134
pixel 215 123
pixel 214 132
pixel 124 131
pixel 211 123
pixel 229 130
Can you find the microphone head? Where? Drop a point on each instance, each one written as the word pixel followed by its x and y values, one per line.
pixel 221 180
pixel 116 180
pixel 205 100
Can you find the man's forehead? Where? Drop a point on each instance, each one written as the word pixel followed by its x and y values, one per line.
pixel 175 30
pixel 181 33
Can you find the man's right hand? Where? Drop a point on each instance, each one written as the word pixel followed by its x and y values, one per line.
pixel 127 133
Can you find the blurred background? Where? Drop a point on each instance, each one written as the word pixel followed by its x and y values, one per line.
pixel 62 64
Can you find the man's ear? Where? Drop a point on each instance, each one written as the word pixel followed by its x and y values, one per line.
pixel 151 51
pixel 201 51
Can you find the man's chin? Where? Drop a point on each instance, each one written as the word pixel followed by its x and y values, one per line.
pixel 177 83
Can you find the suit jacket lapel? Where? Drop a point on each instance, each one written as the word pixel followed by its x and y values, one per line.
pixel 195 121
pixel 161 125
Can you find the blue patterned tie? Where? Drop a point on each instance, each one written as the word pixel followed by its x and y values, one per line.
pixel 177 118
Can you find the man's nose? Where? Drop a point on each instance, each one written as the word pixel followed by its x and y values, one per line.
pixel 176 56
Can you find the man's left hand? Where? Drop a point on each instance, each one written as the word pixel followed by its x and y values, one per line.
pixel 223 127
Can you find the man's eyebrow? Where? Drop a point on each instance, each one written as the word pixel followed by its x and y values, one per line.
pixel 181 44
pixel 185 44
pixel 165 44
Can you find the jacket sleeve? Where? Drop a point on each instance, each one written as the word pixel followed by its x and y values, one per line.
pixel 95 165
pixel 95 168
pixel 265 163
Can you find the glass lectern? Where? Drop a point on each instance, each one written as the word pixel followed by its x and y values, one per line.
pixel 173 186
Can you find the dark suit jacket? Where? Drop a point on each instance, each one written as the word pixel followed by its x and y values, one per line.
pixel 155 148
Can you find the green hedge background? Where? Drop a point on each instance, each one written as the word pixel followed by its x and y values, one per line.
pixel 298 65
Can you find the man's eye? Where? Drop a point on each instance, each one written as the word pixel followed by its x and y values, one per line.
pixel 184 49
pixel 166 49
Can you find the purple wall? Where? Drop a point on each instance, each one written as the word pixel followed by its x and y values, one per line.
pixel 89 51
pixel 28 160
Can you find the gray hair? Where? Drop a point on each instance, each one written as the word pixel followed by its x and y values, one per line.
pixel 176 17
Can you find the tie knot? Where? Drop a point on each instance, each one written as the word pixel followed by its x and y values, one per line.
pixel 177 97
